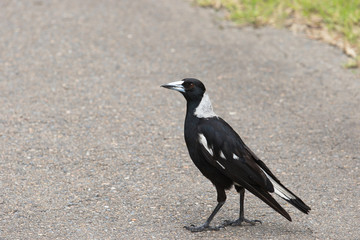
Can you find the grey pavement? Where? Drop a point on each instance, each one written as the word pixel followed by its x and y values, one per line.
pixel 92 148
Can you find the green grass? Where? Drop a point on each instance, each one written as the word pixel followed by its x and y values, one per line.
pixel 334 21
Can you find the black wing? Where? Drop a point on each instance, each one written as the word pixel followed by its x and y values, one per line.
pixel 223 148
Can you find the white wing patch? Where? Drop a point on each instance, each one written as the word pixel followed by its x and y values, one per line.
pixel 203 142
pixel 204 110
pixel 279 190
pixel 235 157
pixel 220 164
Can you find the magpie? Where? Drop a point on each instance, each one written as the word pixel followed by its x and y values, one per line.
pixel 222 157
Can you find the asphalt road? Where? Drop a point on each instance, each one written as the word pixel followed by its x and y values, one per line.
pixel 92 148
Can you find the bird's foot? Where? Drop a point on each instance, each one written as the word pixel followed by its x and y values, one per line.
pixel 202 228
pixel 240 221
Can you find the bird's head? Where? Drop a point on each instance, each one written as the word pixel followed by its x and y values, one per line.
pixel 191 88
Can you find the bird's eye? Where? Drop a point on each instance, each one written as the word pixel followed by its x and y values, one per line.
pixel 189 86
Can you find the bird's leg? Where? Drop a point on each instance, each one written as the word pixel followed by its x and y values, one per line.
pixel 206 226
pixel 241 219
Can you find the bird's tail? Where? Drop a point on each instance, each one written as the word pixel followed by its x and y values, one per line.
pixel 269 200
pixel 287 195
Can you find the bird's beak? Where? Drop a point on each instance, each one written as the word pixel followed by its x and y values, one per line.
pixel 177 86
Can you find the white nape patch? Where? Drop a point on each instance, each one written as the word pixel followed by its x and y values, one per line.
pixel 203 142
pixel 279 190
pixel 204 110
pixel 220 164
pixel 235 156
pixel 222 155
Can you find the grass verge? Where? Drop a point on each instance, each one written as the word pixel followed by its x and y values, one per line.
pixel 334 21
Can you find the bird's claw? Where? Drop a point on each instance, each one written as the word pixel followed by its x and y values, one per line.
pixel 240 222
pixel 202 228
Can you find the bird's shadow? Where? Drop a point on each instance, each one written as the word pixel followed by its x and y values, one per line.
pixel 270 229
pixel 275 229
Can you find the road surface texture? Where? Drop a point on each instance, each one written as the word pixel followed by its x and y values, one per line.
pixel 92 148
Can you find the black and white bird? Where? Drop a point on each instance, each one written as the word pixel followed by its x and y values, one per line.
pixel 222 157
